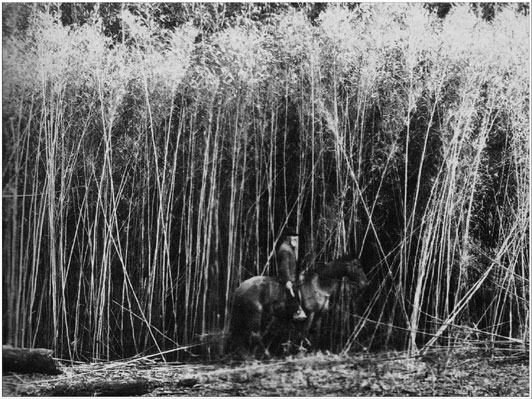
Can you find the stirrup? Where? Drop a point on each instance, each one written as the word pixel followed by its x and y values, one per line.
pixel 300 315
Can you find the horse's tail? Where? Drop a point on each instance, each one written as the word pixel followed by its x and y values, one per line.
pixel 236 336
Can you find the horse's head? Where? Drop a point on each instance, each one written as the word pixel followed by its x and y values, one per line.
pixel 338 269
pixel 355 273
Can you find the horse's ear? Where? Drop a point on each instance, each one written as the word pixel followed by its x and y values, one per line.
pixel 356 260
pixel 349 257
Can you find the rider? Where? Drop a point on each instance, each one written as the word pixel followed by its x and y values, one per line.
pixel 286 264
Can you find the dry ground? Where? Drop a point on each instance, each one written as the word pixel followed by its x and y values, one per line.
pixel 384 374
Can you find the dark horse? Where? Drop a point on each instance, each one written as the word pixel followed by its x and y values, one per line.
pixel 261 300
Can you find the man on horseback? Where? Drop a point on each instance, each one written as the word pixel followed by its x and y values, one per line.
pixel 287 270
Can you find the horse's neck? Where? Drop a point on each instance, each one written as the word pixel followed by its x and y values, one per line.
pixel 328 277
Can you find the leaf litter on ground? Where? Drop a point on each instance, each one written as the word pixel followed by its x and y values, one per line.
pixel 380 374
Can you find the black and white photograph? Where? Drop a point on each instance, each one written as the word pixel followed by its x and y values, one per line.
pixel 210 199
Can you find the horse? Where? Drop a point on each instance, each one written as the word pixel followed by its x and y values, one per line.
pixel 260 301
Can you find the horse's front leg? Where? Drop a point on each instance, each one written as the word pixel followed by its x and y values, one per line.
pixel 304 331
pixel 314 331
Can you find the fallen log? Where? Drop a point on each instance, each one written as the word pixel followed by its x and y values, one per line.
pixel 27 361
pixel 103 388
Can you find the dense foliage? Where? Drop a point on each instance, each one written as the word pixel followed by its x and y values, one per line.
pixel 153 154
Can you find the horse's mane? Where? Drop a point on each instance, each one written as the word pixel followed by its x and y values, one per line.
pixel 313 268
pixel 316 266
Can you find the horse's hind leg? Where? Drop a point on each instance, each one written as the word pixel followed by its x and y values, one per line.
pixel 267 323
pixel 255 329
pixel 243 329
pixel 259 350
